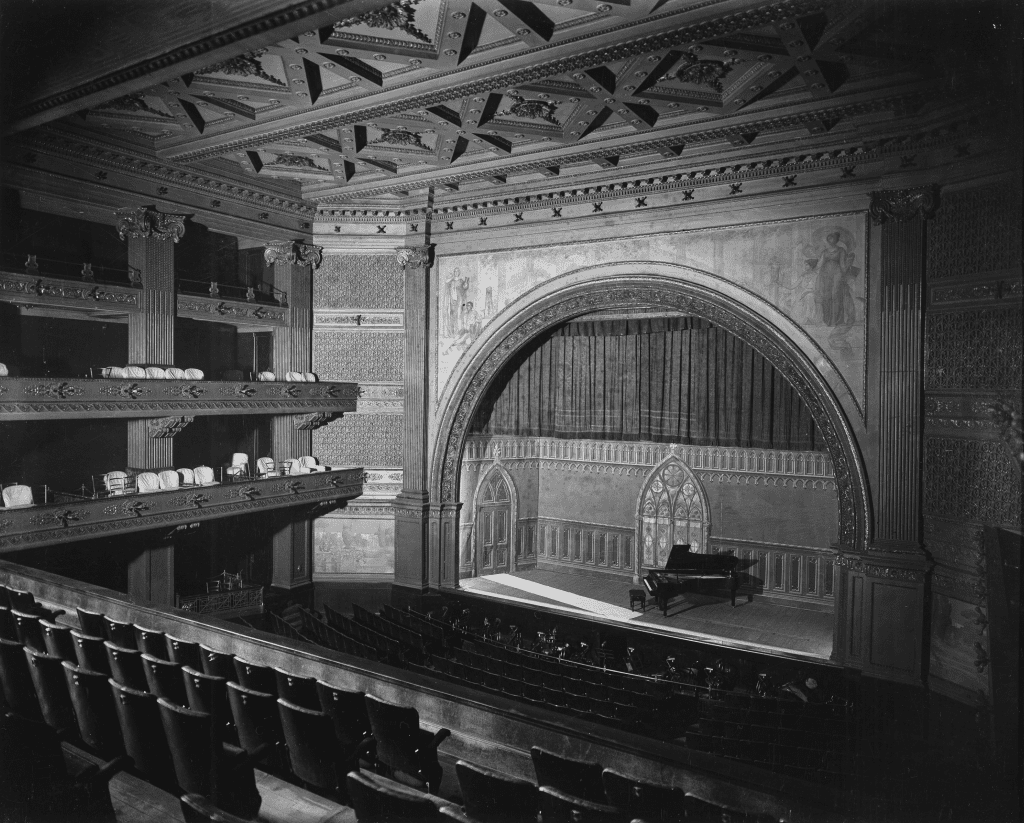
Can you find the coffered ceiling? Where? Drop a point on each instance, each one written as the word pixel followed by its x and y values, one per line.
pixel 422 93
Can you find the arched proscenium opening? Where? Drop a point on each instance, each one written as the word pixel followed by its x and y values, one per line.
pixel 748 320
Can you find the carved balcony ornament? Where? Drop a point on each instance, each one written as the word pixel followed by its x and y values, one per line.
pixel 249 492
pixel 162 427
pixel 245 390
pixel 293 486
pixel 130 390
pixel 196 499
pixel 87 272
pixel 58 391
pixel 415 257
pixel 135 508
pixel 31 264
pixel 294 252
pixel 314 420
pixel 901 205
pixel 146 221
pixel 61 517
pixel 134 276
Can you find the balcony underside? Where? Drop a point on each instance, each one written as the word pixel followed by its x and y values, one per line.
pixel 35 398
pixel 83 519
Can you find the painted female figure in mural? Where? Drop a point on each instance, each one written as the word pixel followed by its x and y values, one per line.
pixel 457 288
pixel 833 293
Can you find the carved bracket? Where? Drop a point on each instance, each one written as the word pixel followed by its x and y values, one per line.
pixel 308 422
pixel 415 257
pixel 146 221
pixel 161 427
pixel 291 251
pixel 901 205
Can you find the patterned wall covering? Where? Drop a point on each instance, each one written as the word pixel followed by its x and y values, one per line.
pixel 365 281
pixel 368 440
pixel 976 349
pixel 973 480
pixel 977 230
pixel 362 356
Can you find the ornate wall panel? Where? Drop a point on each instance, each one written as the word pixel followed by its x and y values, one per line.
pixel 972 480
pixel 371 357
pixel 977 350
pixel 364 281
pixel 369 440
pixel 976 230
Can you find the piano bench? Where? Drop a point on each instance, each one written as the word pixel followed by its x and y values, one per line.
pixel 638 596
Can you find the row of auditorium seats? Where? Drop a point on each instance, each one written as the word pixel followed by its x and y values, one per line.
pixel 151 373
pixel 789 736
pixel 289 377
pixel 153 703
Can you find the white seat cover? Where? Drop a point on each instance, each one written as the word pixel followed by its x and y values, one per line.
pixel 265 467
pixel 296 467
pixel 309 377
pixel 293 377
pixel 169 479
pixel 239 459
pixel 155 373
pixel 3 370
pixel 174 373
pixel 204 476
pixel 116 482
pixel 265 376
pixel 116 372
pixel 194 374
pixel 18 497
pixel 148 482
pixel 309 462
pixel 187 477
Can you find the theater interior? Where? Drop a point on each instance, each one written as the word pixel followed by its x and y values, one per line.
pixel 510 410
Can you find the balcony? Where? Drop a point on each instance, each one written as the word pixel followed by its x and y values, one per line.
pixel 47 398
pixel 76 518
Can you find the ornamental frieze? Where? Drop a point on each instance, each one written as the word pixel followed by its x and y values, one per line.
pixel 18 287
pixel 239 310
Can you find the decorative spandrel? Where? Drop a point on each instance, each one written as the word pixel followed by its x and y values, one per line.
pixel 145 221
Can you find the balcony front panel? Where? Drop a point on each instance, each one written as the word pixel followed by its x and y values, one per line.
pixel 35 398
pixel 82 519
pixel 39 290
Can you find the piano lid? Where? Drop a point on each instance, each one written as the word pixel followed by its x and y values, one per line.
pixel 679 558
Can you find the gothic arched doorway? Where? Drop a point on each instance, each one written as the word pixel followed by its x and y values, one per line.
pixel 495 523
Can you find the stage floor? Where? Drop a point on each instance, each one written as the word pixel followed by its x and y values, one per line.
pixel 758 625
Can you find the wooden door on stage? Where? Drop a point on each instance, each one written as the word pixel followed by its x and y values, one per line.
pixel 494 526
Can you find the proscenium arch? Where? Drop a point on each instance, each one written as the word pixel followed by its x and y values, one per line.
pixel 663 286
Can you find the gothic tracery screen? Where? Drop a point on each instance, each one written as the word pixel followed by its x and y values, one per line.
pixel 673 509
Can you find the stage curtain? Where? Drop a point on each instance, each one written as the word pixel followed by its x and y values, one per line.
pixel 680 380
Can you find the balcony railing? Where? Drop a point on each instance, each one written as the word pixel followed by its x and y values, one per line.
pixel 262 293
pixel 236 603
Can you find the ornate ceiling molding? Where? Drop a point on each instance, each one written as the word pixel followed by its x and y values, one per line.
pixel 147 222
pixel 685 35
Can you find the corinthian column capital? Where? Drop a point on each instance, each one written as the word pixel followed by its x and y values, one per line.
pixel 290 251
pixel 904 204
pixel 146 221
pixel 415 257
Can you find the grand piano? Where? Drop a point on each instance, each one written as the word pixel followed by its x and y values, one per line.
pixel 687 571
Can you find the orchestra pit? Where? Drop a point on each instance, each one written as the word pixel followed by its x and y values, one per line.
pixel 510 411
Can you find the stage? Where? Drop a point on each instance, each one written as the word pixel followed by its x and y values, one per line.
pixel 758 625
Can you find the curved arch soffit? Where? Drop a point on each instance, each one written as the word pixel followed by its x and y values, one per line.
pixel 679 288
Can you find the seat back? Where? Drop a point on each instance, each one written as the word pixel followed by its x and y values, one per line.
pixel 126 666
pixel 217 664
pixel 400 741
pixel 17 496
pixel 347 711
pixel 239 459
pixel 256 717
pixel 309 377
pixel 155 373
pixel 255 677
pixel 58 640
pixel 115 482
pixel 8 628
pixel 265 376
pixel 147 482
pixel 118 633
pixel 91 623
pixel 194 374
pixel 574 777
pixel 22 601
pixel 151 642
pixel 201 689
pixel 265 466
pixel 312 749
pixel 188 737
pixel 94 709
pixel 204 476
pixel 142 731
pixel 309 462
pixel 174 373
pixel 135 372
pixel 18 690
pixel 183 652
pixel 30 633
pixel 495 798
pixel 297 689
pixel 375 802
pixel 561 807
pixel 164 679
pixel 641 799
pixel 90 652
pixel 169 479
pixel 294 377
pixel 186 477
pixel 295 466
pixel 47 673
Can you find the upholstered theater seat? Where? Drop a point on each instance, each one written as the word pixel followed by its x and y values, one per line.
pixel 18 497
pixel 148 482
pixel 204 476
pixel 194 374
pixel 115 482
pixel 309 462
pixel 174 373
pixel 155 373
pixel 186 477
pixel 169 479
pixel 265 376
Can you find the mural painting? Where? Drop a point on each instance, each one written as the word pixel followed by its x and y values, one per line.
pixel 812 270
